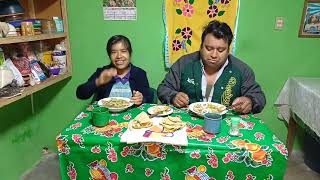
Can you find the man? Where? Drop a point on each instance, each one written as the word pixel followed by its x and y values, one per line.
pixel 212 75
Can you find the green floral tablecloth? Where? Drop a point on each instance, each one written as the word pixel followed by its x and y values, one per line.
pixel 88 152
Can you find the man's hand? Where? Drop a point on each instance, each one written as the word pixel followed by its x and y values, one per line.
pixel 137 98
pixel 180 100
pixel 106 76
pixel 242 104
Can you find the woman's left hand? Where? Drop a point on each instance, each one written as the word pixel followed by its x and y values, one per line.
pixel 137 97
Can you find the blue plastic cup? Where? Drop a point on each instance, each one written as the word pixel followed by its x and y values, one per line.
pixel 212 123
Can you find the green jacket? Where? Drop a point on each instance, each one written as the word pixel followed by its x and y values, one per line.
pixel 237 79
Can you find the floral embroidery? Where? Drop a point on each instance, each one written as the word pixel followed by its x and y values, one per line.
pixel 212 11
pixel 186 33
pixel 187 10
pixel 227 94
pixel 225 1
pixel 176 45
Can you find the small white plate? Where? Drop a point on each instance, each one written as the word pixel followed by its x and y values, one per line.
pixel 115 109
pixel 155 109
pixel 204 108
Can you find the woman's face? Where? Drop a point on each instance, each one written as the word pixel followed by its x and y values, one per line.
pixel 120 56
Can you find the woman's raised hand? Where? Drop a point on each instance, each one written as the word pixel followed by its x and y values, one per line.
pixel 106 76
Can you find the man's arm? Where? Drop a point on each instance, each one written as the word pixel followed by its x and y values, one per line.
pixel 170 86
pixel 251 89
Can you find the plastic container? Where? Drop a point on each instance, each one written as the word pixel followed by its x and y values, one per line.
pixel 59 24
pixel 55 71
pixel 27 29
pixel 60 59
pixel 48 26
pixel 100 116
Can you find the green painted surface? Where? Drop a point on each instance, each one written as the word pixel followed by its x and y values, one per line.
pixel 274 56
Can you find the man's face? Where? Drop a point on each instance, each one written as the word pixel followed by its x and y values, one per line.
pixel 214 52
pixel 120 56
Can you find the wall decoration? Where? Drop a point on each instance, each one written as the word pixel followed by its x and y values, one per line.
pixel 119 10
pixel 184 22
pixel 310 21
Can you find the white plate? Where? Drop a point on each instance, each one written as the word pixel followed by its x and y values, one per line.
pixel 204 108
pixel 153 110
pixel 115 109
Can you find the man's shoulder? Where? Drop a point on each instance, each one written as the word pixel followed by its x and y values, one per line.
pixel 187 59
pixel 239 64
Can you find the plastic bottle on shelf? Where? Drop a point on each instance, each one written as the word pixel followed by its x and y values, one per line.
pixel 59 57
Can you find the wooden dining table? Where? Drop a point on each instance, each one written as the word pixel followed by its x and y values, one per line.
pixel 89 152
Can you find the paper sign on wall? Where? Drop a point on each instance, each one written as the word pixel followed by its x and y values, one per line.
pixel 119 10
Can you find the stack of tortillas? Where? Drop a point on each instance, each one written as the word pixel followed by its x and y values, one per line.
pixel 172 124
pixel 142 120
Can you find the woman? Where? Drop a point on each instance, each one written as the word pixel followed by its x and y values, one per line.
pixel 118 79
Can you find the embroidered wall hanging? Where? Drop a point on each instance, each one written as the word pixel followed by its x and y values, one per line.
pixel 184 22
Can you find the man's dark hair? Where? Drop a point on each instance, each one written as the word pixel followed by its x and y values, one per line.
pixel 218 29
pixel 116 39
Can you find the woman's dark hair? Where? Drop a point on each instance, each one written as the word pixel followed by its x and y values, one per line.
pixel 116 39
pixel 219 30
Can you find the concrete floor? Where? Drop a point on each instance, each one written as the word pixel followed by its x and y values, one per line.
pixel 48 169
pixel 297 170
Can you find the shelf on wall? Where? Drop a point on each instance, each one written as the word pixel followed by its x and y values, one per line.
pixel 32 89
pixel 20 39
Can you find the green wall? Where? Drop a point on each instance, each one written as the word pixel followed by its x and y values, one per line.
pixel 274 56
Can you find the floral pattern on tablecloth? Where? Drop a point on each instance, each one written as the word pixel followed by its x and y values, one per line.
pixel 90 152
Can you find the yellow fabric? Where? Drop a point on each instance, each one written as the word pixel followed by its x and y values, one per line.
pixel 185 16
